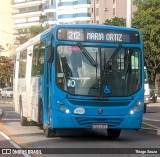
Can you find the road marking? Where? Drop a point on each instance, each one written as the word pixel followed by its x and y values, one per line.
pixel 153 105
pixel 155 120
pixel 12 142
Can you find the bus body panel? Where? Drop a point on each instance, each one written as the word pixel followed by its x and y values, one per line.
pixel 27 89
pixel 116 112
pixel 15 83
pixel 64 110
pixel 59 120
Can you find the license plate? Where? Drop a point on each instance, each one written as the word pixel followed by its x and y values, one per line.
pixel 100 126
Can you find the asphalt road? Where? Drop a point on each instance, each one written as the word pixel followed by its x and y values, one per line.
pixel 32 137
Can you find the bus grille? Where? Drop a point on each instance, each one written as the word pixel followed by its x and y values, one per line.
pixel 88 122
pixel 100 103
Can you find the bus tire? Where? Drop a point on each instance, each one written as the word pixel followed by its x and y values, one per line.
pixel 145 108
pixel 49 132
pixel 23 120
pixel 113 133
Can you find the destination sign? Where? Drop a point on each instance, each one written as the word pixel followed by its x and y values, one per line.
pixel 98 35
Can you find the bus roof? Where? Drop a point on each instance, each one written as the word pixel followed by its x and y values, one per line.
pixel 51 30
pixel 34 40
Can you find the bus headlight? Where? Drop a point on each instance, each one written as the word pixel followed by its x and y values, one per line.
pixel 67 111
pixel 136 107
pixel 63 108
pixel 139 103
pixel 131 112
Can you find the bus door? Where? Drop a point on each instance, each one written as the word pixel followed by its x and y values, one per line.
pixel 47 90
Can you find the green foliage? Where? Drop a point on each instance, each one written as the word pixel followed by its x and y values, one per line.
pixel 35 30
pixel 26 34
pixel 1 48
pixel 116 21
pixel 6 70
pixel 147 19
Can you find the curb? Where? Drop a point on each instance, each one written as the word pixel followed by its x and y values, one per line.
pixel 151 131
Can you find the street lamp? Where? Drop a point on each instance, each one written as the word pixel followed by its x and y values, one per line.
pixel 129 13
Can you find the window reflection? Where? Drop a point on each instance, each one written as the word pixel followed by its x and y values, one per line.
pixel 77 76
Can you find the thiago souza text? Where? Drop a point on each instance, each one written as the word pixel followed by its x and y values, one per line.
pixel 139 151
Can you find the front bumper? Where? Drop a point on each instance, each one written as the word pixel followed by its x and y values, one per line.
pixel 62 120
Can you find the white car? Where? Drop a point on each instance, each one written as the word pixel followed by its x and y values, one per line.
pixel 7 92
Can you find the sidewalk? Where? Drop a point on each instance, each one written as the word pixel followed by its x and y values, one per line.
pixel 151 119
pixel 8 146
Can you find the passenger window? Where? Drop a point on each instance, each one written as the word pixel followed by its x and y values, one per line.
pixel 34 60
pixel 41 53
pixel 22 64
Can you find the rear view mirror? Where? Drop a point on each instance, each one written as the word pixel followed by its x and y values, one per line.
pixel 50 54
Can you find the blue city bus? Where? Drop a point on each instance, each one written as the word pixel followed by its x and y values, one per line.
pixel 81 76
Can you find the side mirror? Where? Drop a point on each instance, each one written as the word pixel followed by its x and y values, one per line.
pixel 50 54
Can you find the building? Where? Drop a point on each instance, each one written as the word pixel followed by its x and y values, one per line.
pixel 108 9
pixel 6 31
pixel 27 13
pixel 73 11
pixel 43 13
pixel 50 12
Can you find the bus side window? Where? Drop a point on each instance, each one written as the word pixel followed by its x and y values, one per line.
pixel 34 60
pixel 22 64
pixel 40 66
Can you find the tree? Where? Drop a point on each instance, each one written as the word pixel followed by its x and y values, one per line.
pixel 1 48
pixel 147 19
pixel 6 71
pixel 10 48
pixel 28 33
pixel 117 21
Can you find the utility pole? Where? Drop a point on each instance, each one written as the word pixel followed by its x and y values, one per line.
pixel 129 13
pixel 94 11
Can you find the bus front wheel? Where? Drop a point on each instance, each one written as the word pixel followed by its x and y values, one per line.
pixel 49 132
pixel 114 133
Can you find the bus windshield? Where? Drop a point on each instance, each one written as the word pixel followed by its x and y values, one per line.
pixel 115 69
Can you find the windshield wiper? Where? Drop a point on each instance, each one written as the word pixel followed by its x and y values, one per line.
pixel 86 53
pixel 127 56
pixel 114 54
pixel 116 51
